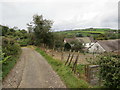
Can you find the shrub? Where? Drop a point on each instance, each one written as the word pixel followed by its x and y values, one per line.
pixel 110 70
pixel 10 47
pixel 24 42
pixel 10 52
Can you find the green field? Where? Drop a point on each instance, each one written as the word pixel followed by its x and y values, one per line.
pixel 84 32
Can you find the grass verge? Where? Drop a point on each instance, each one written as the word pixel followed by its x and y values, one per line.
pixel 64 72
pixel 9 64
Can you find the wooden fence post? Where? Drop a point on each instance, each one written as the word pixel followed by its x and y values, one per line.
pixel 87 74
pixel 71 58
pixel 53 52
pixel 68 58
pixel 75 63
pixel 62 57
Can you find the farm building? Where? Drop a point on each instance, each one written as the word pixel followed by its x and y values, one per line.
pixel 87 41
pixel 68 40
pixel 105 46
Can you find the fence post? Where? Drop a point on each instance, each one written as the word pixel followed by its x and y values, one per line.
pixel 68 58
pixel 62 57
pixel 71 58
pixel 53 52
pixel 87 74
pixel 75 63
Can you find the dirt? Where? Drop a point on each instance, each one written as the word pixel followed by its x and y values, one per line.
pixel 32 71
pixel 81 60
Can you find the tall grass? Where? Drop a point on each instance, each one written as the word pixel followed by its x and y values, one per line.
pixel 64 72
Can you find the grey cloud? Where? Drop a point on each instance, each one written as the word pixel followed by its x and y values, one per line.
pixel 66 14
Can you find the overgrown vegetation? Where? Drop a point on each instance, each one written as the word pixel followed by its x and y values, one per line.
pixel 40 34
pixel 64 72
pixel 110 70
pixel 41 28
pixel 10 53
pixel 10 47
pixel 20 36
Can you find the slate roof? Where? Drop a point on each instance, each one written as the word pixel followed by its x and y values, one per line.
pixel 110 45
pixel 80 39
pixel 85 39
pixel 68 40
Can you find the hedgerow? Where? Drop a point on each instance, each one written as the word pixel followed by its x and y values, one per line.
pixel 110 70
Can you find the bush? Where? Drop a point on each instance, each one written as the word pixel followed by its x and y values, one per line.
pixel 77 46
pixel 10 47
pixel 110 70
pixel 24 42
pixel 10 53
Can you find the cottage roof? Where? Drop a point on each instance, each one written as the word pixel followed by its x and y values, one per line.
pixel 84 39
pixel 68 40
pixel 110 45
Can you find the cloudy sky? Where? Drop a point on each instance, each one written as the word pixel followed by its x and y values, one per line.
pixel 66 14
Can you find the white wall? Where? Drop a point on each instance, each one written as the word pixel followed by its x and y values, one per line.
pixel 88 44
pixel 96 48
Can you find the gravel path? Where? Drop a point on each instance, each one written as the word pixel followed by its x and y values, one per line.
pixel 32 71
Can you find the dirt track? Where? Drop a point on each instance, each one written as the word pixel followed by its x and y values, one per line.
pixel 32 71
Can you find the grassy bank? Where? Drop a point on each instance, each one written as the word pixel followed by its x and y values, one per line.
pixel 9 64
pixel 10 54
pixel 64 72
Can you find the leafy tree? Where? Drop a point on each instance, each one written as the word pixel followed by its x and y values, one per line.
pixel 58 40
pixel 101 37
pixel 4 30
pixel 76 45
pixel 41 29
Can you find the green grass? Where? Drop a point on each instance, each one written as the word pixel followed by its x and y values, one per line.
pixel 64 72
pixel 8 65
pixel 71 33
pixel 102 32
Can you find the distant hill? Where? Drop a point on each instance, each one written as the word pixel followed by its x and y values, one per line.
pixel 85 32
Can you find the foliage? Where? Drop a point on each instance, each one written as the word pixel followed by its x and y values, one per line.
pixel 110 70
pixel 9 46
pixel 91 32
pixel 41 30
pixel 67 46
pixel 58 40
pixel 4 30
pixel 19 35
pixel 10 52
pixel 64 72
pixel 101 37
pixel 24 42
pixel 79 35
pixel 77 46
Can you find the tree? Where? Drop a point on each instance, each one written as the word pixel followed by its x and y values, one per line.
pixel 58 40
pixel 41 29
pixel 76 45
pixel 4 30
pixel 101 37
